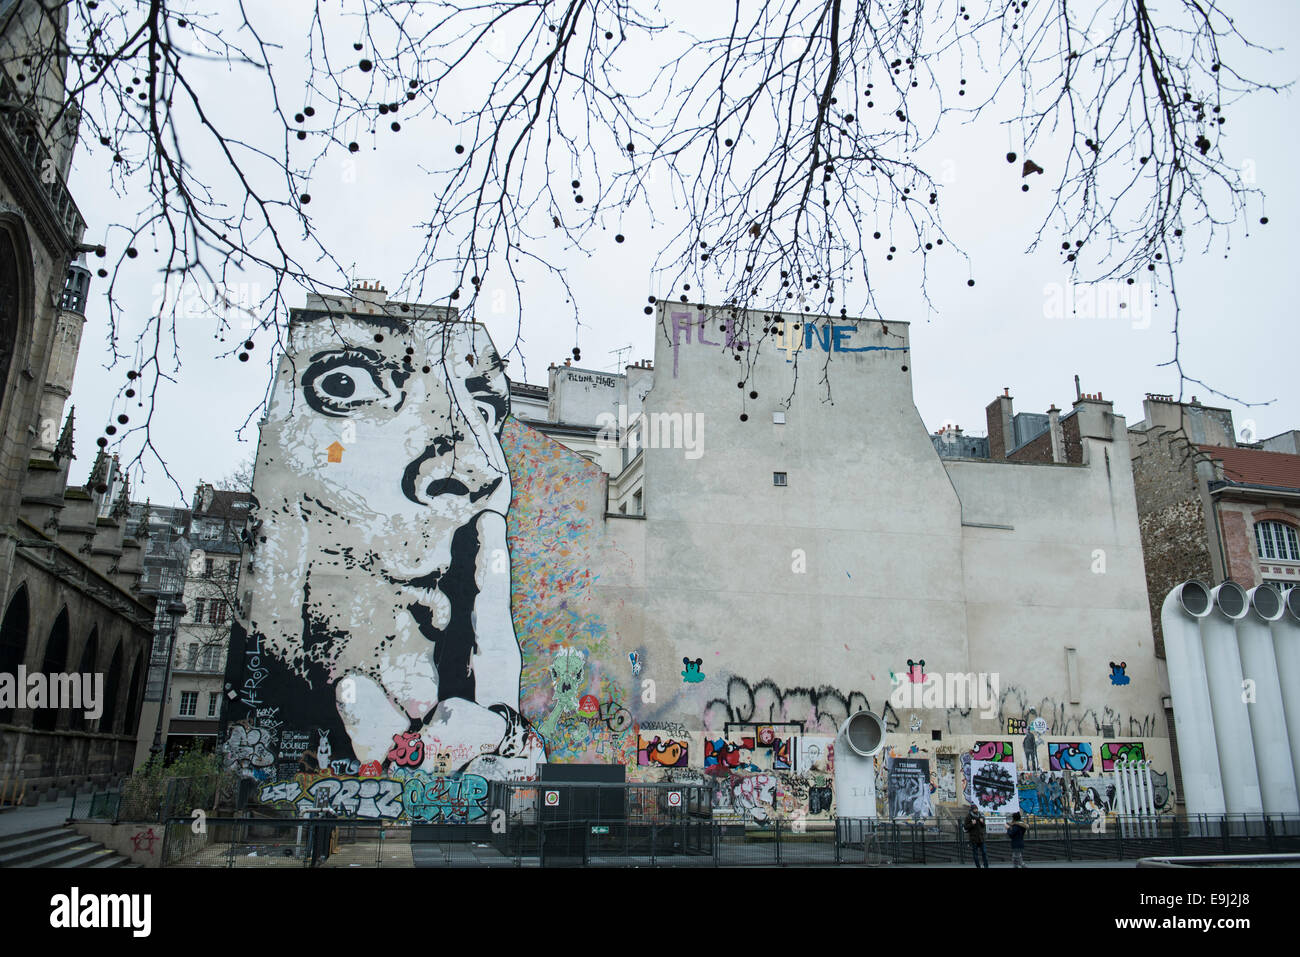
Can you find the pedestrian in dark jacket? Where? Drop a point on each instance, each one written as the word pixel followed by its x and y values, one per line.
pixel 976 828
pixel 1016 831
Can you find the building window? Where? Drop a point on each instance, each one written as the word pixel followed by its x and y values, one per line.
pixel 778 478
pixel 778 418
pixel 198 609
pixel 216 612
pixel 1277 541
pixel 638 507
pixel 232 569
pixel 207 568
pixel 212 704
pixel 210 660
pixel 1281 587
pixel 189 704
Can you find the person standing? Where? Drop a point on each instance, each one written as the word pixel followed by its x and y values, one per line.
pixel 1016 831
pixel 976 830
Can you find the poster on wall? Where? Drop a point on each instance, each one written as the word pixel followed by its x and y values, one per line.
pixel 993 786
pixel 813 753
pixel 909 788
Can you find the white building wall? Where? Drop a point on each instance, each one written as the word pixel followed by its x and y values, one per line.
pixel 874 553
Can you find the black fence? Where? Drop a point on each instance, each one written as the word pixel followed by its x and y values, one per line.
pixel 561 823
pixel 323 841
pixel 151 801
pixel 650 832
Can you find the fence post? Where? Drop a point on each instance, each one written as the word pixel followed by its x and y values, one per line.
pixel 162 850
pixel 777 823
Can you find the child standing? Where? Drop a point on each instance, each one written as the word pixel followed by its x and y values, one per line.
pixel 1016 831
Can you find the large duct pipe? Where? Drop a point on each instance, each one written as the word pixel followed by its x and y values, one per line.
pixel 1286 652
pixel 860 738
pixel 1237 766
pixel 1180 617
pixel 1274 755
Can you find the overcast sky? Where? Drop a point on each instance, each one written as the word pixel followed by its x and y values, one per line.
pixel 1237 312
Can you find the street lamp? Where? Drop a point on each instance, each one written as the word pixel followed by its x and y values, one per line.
pixel 175 611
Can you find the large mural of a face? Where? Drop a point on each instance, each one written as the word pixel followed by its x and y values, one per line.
pixel 381 589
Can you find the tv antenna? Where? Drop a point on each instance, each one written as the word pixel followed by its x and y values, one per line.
pixel 618 362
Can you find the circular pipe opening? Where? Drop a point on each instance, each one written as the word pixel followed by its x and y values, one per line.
pixel 1230 598
pixel 1293 603
pixel 1195 598
pixel 864 733
pixel 1266 601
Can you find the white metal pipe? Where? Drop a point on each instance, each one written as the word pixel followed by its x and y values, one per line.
pixel 1198 758
pixel 1231 721
pixel 1126 778
pixel 1268 727
pixel 1286 652
pixel 1148 797
pixel 1116 778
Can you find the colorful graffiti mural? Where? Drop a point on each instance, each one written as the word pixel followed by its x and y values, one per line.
pixel 993 751
pixel 1113 751
pixel 1069 756
pixel 424 620
pixel 663 752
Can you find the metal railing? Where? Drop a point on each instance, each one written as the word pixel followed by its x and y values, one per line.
pixel 146 803
pixel 674 836
pixel 318 841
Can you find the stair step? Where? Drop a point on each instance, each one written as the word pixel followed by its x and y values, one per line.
pixel 42 848
pixel 13 841
pixel 77 851
pixel 60 857
pixel 88 857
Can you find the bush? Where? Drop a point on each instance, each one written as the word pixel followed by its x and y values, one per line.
pixel 157 790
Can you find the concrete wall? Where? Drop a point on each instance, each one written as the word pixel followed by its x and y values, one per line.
pixel 723 638
pixel 794 606
pixel 141 842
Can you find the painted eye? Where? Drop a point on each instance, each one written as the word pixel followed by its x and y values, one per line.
pixel 336 387
pixel 488 412
pixel 340 385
